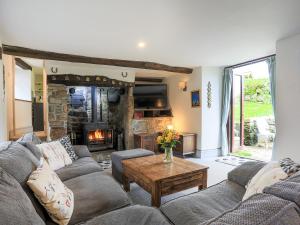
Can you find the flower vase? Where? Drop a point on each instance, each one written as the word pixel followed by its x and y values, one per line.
pixel 168 155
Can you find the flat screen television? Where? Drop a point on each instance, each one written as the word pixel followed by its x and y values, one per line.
pixel 150 96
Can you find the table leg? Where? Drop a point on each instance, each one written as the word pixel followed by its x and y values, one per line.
pixel 204 181
pixel 126 183
pixel 155 195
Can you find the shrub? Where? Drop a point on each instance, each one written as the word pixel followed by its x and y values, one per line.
pixel 257 90
pixel 250 133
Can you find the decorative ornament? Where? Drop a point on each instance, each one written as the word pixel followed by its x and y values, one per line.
pixel 124 75
pixel 209 97
pixel 54 69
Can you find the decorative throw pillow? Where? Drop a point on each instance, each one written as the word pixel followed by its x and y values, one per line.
pixel 66 142
pixel 289 166
pixel 30 137
pixel 268 175
pixel 56 198
pixel 55 154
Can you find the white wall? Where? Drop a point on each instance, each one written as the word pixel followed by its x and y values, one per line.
pixel 287 98
pixel 211 117
pixel 186 118
pixel 202 120
pixel 23 84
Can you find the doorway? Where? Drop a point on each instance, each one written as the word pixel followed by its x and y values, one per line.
pixel 251 122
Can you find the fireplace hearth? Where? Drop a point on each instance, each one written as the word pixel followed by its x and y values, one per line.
pixel 98 136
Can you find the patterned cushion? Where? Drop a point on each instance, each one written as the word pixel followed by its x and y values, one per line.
pixel 55 155
pixel 66 142
pixel 289 166
pixel 57 199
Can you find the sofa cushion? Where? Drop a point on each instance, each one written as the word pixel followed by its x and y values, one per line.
pixel 30 137
pixel 56 198
pixel 117 157
pixel 268 175
pixel 204 205
pixel 55 154
pixel 244 173
pixel 82 151
pixel 260 209
pixel 81 166
pixel 95 194
pixel 288 189
pixel 66 142
pixel 33 148
pixel 132 215
pixel 15 207
pixel 17 160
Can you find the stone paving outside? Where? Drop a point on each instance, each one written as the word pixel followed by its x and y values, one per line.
pixel 257 152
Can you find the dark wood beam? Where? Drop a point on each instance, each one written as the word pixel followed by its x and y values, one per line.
pixel 78 80
pixel 38 54
pixel 21 63
pixel 145 79
pixel 0 53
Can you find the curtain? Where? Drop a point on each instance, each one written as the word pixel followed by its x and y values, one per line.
pixel 271 61
pixel 227 86
pixel 272 75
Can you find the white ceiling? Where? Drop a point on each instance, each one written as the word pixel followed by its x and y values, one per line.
pixel 176 32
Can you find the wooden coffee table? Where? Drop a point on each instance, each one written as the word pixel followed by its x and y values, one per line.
pixel 159 178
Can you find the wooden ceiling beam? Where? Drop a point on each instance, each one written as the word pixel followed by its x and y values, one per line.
pixel 145 79
pixel 38 54
pixel 21 63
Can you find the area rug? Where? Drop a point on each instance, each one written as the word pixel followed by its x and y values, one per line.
pixel 233 160
pixel 105 164
pixel 103 158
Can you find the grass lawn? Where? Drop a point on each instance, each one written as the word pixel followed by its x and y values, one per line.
pixel 253 109
pixel 244 154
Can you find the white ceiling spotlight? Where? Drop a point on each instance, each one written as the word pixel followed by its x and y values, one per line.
pixel 141 44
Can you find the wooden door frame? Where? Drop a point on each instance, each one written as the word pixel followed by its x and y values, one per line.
pixel 230 123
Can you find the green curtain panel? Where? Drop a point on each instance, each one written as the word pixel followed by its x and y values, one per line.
pixel 227 86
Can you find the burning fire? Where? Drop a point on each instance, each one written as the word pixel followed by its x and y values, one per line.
pixel 96 135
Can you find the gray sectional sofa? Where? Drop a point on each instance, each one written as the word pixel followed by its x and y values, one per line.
pixel 100 200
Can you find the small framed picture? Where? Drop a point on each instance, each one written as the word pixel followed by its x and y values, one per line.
pixel 195 98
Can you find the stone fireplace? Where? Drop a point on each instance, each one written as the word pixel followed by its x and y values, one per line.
pixel 92 114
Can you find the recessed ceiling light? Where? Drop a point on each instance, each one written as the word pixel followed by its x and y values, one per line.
pixel 141 44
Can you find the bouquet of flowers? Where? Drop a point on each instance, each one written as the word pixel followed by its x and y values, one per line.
pixel 168 140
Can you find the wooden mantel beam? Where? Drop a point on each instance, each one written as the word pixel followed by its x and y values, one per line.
pixel 38 54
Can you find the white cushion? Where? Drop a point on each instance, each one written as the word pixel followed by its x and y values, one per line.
pixel 55 154
pixel 266 176
pixel 56 198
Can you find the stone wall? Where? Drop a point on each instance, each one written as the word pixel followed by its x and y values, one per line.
pixel 150 125
pixel 58 110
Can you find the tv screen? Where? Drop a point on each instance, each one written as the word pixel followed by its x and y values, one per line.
pixel 147 96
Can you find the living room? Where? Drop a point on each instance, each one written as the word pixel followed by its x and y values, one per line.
pixel 149 112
